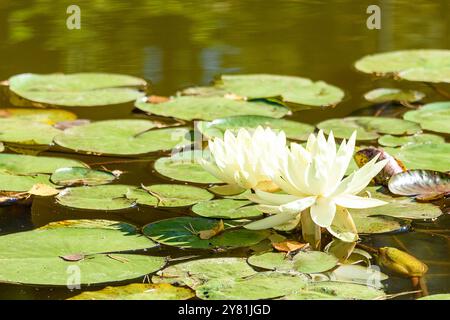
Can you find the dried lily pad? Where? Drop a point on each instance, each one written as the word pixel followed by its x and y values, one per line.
pixel 34 257
pixel 122 137
pixel 392 141
pixel 184 166
pixel 196 272
pixel 26 164
pixel 184 232
pixel 382 95
pixel 216 128
pixel 263 285
pixel 427 65
pixel 47 116
pixel 26 132
pixel 425 184
pixel 226 209
pixel 138 291
pixel 433 116
pixel 78 89
pixel 103 197
pixel 209 108
pixel 169 195
pixel 427 156
pixel 81 176
pixel 368 128
pixel 286 89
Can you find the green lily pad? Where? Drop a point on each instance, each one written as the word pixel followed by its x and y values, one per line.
pixel 382 95
pixel 26 132
pixel 77 90
pixel 183 232
pixel 72 176
pixel 227 190
pixel 89 254
pixel 287 89
pixel 169 195
pixel 184 166
pixel 138 291
pixel 367 127
pixel 439 296
pixel 196 272
pixel 206 91
pixel 392 141
pixel 47 116
pixel 103 197
pixel 272 261
pixel 428 156
pixel 293 129
pixel 433 116
pixel 21 183
pixel 339 290
pixel 263 285
pixel 314 261
pixel 425 65
pixel 209 108
pixel 26 164
pixel 379 224
pixel 226 209
pixel 122 137
pixel 397 207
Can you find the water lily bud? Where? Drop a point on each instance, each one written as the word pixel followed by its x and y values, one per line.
pixel 401 262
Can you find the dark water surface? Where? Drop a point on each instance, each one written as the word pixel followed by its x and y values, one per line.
pixel 177 43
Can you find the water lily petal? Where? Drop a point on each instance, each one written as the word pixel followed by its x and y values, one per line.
pixel 355 202
pixel 323 211
pixel 269 198
pixel 343 226
pixel 271 221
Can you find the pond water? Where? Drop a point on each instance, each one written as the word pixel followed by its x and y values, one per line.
pixel 176 44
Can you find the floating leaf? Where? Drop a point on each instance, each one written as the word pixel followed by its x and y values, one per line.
pixel 427 65
pixel 21 183
pixel 433 116
pixel 81 176
pixel 122 137
pixel 216 128
pixel 63 125
pixel 382 95
pixel 263 285
pixel 103 197
pixel 428 156
pixel 26 132
pixel 392 141
pixel 379 224
pixel 33 257
pixel 78 89
pixel 425 184
pixel 287 89
pixel 228 190
pixel 439 296
pixel 368 128
pixel 314 261
pixel 138 291
pixel 226 209
pixel 26 164
pixel 47 116
pixel 272 261
pixel 185 167
pixel 183 232
pixel 210 108
pixel 169 195
pixel 196 272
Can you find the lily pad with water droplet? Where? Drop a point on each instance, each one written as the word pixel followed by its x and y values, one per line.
pixel 433 116
pixel 382 95
pixel 26 164
pixel 427 156
pixel 47 116
pixel 196 272
pixel 103 197
pixel 293 129
pixel 368 128
pixel 169 195
pixel 183 232
pixel 425 184
pixel 78 89
pixel 184 166
pixel 26 132
pixel 34 257
pixel 393 141
pixel 426 65
pixel 138 291
pixel 73 176
pixel 263 285
pixel 209 108
pixel 122 137
pixel 226 209
pixel 287 89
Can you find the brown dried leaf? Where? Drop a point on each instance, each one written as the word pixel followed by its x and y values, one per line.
pixel 42 190
pixel 288 245
pixel 208 234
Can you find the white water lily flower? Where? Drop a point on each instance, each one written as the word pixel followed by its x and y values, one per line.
pixel 246 159
pixel 313 177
